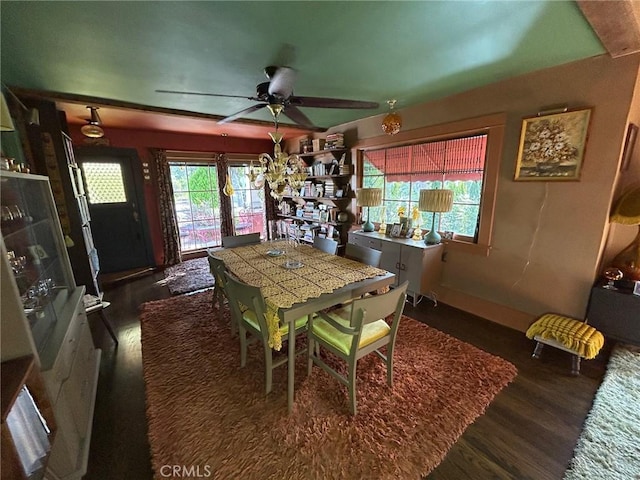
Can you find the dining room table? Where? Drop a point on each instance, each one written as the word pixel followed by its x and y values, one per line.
pixel 297 281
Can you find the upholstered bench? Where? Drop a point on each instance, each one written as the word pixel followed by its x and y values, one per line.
pixel 568 334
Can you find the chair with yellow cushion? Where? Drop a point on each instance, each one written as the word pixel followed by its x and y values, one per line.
pixel 249 309
pixel 350 338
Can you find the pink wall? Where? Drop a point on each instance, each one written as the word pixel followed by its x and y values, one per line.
pixel 143 141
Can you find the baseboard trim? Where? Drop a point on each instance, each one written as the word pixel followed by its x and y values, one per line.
pixel 501 314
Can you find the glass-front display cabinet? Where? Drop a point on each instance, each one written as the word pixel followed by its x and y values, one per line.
pixel 34 246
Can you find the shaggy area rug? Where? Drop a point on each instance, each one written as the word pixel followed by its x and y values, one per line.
pixel 210 415
pixel 609 445
pixel 188 276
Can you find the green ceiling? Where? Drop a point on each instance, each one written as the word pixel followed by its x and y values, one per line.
pixel 412 51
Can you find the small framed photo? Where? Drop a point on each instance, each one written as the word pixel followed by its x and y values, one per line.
pixel 396 230
pixel 447 235
pixel 404 224
pixel 323 216
pixel 339 193
pixel 410 232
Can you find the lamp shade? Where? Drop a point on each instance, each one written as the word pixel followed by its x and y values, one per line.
pixel 6 123
pixel 627 209
pixel 369 197
pixel 435 200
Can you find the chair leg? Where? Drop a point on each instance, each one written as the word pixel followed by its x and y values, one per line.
pixel 352 388
pixel 575 365
pixel 390 368
pixel 538 350
pixel 310 349
pixel 268 364
pixel 243 345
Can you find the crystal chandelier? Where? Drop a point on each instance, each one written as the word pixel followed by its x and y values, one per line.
pixel 282 172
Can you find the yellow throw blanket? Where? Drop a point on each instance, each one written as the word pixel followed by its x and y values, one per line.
pixel 576 335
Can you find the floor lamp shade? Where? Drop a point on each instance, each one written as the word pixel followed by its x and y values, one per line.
pixel 436 201
pixel 627 212
pixel 368 197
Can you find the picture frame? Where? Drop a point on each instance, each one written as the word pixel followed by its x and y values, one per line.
pixel 396 230
pixel 629 143
pixel 552 146
pixel 447 235
pixel 405 224
pixel 410 232
pixel 339 193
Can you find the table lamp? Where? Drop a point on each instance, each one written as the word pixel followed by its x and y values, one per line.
pixel 368 197
pixel 435 201
pixel 627 212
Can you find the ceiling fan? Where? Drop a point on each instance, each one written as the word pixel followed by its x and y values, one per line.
pixel 277 95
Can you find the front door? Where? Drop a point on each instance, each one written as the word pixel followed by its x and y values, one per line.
pixel 116 204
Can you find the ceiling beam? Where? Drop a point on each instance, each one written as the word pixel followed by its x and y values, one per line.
pixel 109 103
pixel 617 24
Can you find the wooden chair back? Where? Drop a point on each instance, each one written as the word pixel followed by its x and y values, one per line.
pixel 327 245
pixel 367 255
pixel 238 240
pixel 374 307
pixel 243 296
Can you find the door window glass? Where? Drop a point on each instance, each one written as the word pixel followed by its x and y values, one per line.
pixel 105 183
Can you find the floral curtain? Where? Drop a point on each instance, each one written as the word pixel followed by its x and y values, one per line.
pixel 170 234
pixel 226 222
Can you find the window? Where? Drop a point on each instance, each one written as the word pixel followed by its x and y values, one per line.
pixel 247 203
pixel 194 177
pixel 197 201
pixel 462 156
pixel 105 183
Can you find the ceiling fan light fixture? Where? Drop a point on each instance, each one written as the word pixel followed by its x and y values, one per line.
pixel 392 123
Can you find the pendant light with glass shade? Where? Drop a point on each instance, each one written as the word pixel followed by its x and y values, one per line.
pixel 392 123
pixel 92 129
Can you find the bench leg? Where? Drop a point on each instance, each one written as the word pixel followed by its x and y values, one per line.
pixel 538 350
pixel 575 365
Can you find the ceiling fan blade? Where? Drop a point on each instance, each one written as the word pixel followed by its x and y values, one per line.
pixel 282 81
pixel 297 116
pixel 207 94
pixel 242 113
pixel 321 102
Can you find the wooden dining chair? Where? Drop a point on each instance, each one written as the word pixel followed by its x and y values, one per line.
pixel 249 311
pixel 350 338
pixel 238 240
pixel 217 268
pixel 367 255
pixel 327 245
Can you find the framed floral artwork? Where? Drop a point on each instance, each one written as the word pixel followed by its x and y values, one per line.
pixel 552 146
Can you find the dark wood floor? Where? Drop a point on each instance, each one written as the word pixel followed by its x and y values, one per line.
pixel 528 432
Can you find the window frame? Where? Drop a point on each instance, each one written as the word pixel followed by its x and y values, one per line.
pixel 493 126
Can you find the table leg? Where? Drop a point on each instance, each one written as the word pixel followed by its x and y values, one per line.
pixel 107 324
pixel 292 366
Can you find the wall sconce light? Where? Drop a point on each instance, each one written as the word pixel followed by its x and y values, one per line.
pixel 6 122
pixel 392 123
pixel 92 129
pixel 33 115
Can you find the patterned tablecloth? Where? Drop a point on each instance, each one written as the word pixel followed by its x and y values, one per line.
pixel 282 287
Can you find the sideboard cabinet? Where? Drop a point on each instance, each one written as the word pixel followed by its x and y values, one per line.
pixel 43 314
pixel 410 260
pixel 616 313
